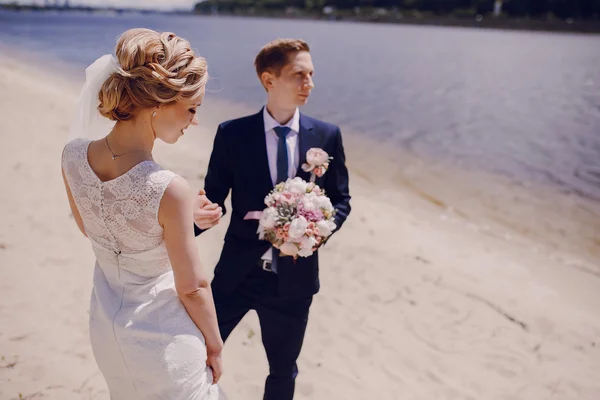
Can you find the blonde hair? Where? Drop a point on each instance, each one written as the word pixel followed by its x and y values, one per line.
pixel 274 55
pixel 155 68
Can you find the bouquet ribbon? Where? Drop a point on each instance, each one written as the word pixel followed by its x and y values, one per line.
pixel 253 215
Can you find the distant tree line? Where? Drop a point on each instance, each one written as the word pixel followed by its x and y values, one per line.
pixel 538 9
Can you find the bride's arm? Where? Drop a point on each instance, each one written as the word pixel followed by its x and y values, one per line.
pixel 74 209
pixel 191 282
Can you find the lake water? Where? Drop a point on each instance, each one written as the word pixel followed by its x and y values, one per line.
pixel 524 105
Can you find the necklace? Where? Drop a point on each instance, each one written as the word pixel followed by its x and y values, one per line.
pixel 115 156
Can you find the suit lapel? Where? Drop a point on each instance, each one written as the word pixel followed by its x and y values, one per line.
pixel 257 151
pixel 307 140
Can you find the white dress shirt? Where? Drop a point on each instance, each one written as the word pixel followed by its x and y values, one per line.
pixel 292 146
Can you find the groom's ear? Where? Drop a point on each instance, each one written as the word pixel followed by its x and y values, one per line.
pixel 266 79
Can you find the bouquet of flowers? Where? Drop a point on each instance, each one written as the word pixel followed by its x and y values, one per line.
pixel 299 216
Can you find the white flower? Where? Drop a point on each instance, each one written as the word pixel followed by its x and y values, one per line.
pixel 309 203
pixel 324 203
pixel 298 227
pixel 297 185
pixel 331 224
pixel 289 249
pixel 268 218
pixel 305 252
pixel 310 196
pixel 325 228
pixel 269 200
pixel 307 243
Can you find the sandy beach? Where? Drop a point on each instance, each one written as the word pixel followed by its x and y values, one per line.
pixel 434 289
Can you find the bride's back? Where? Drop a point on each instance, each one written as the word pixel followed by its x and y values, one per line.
pixel 120 214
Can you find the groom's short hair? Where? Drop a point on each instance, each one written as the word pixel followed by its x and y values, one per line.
pixel 274 55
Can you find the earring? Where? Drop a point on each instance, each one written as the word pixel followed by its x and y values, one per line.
pixel 154 113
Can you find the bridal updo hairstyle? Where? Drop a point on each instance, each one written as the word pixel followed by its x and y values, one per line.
pixel 154 68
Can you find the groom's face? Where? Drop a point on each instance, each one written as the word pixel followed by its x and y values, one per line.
pixel 293 85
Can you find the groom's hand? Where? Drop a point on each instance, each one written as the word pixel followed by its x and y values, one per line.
pixel 206 213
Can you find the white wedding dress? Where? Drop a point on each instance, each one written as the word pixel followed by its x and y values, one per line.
pixel 145 343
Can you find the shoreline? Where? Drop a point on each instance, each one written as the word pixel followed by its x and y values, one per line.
pixel 510 24
pixel 418 298
pixel 472 21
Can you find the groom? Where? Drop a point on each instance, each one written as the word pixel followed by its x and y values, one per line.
pixel 250 155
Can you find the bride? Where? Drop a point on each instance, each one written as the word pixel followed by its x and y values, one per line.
pixel 153 326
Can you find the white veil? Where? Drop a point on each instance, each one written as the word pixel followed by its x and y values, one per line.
pixel 88 123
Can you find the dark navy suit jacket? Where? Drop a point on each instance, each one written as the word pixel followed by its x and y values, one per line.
pixel 239 164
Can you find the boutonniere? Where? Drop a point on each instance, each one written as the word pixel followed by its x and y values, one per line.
pixel 317 162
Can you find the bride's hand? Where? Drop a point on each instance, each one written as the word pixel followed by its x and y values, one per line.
pixel 214 361
pixel 206 213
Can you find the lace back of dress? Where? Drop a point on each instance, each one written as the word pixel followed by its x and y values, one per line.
pixel 120 215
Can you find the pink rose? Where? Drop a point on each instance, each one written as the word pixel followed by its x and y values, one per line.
pixel 288 198
pixel 316 156
pixel 280 233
